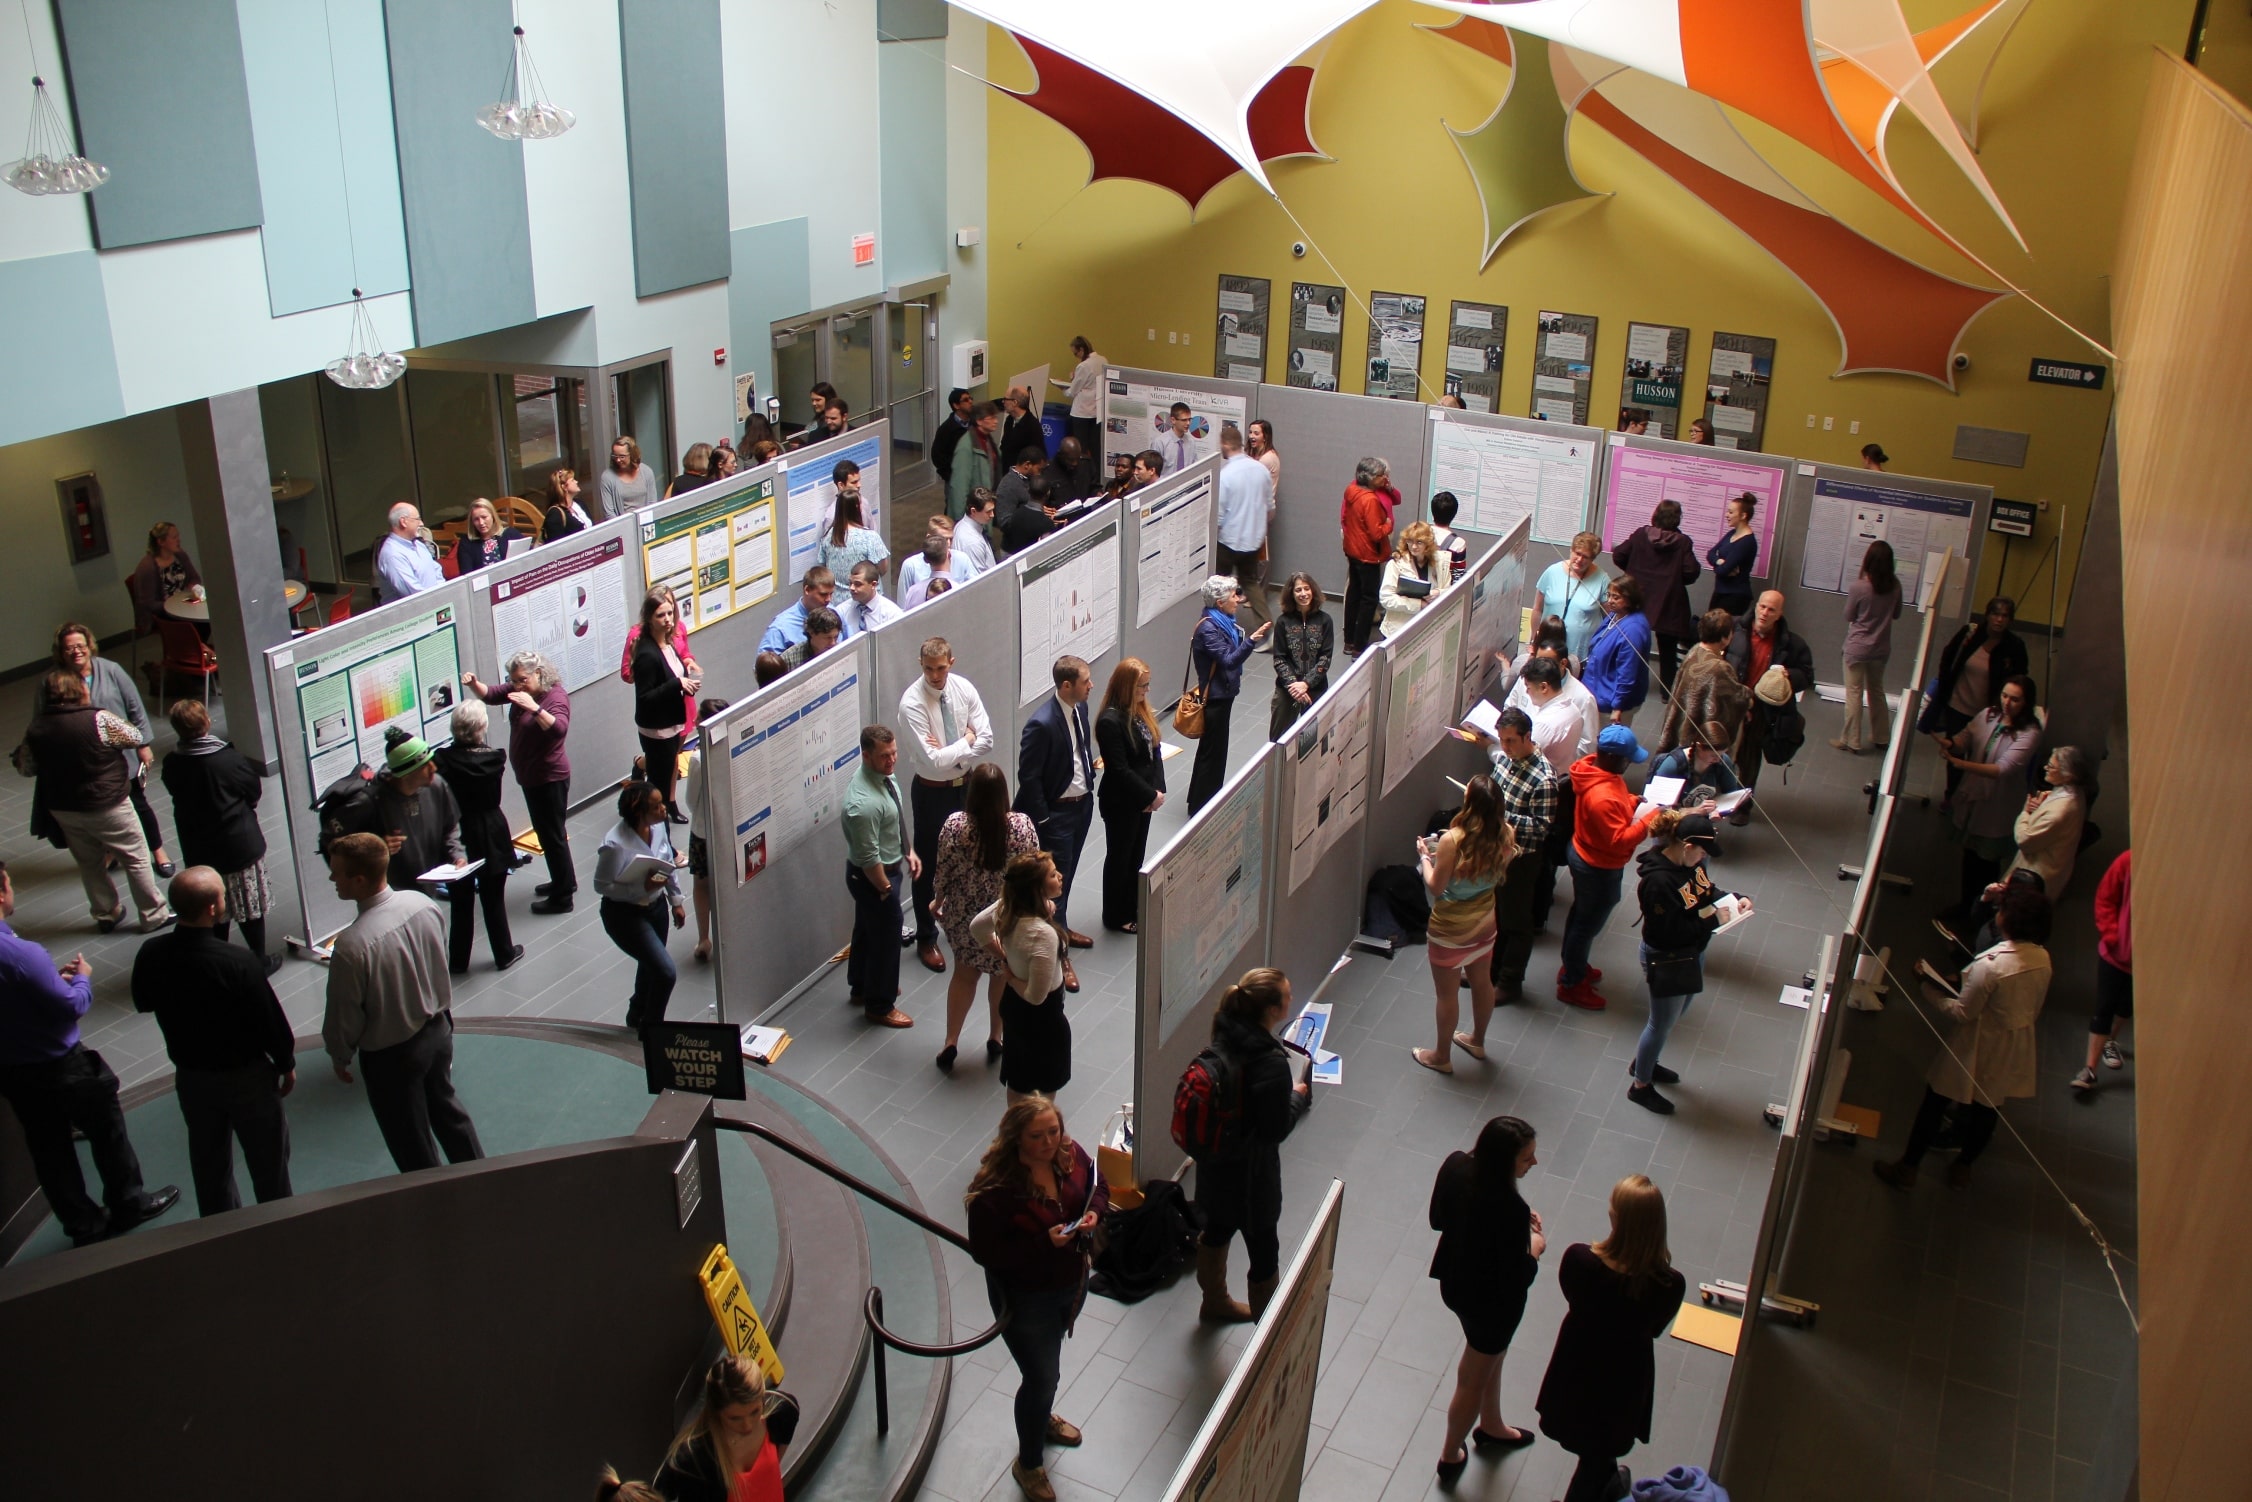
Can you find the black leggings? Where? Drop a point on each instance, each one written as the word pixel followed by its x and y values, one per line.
pixel 660 760
pixel 137 790
pixel 1245 1196
pixel 253 933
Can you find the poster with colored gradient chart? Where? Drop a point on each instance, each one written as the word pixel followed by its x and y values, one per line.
pixel 408 675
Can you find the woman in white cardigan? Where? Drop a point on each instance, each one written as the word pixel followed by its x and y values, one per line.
pixel 1084 392
pixel 1413 576
pixel 2048 831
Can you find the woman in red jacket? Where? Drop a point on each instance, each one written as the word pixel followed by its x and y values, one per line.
pixel 1365 521
pixel 2115 970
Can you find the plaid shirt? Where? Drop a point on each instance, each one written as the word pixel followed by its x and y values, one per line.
pixel 1528 795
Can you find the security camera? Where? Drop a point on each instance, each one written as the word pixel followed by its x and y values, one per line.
pixel 1962 363
pixel 1298 249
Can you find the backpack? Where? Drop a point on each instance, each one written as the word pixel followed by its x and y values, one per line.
pixel 1145 1246
pixel 1208 1106
pixel 1786 732
pixel 346 806
pixel 1398 906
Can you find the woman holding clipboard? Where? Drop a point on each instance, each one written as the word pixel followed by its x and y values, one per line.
pixel 637 877
pixel 1681 910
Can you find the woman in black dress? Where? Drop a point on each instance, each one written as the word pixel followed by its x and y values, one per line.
pixel 472 771
pixel 564 514
pixel 1132 789
pixel 1305 640
pixel 215 791
pixel 1602 1378
pixel 662 689
pixel 1490 1244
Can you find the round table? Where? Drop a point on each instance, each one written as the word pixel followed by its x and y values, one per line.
pixel 181 608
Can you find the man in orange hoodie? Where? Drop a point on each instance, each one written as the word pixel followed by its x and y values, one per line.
pixel 1365 520
pixel 1605 834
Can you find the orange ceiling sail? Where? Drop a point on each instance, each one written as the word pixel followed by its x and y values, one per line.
pixel 1486 38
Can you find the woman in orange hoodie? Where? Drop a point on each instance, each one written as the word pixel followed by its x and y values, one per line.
pixel 1365 521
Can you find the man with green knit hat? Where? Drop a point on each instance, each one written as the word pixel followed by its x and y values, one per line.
pixel 417 816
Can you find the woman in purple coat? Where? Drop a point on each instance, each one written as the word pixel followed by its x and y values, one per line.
pixel 1664 562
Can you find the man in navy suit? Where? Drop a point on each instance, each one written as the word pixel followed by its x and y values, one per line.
pixel 1056 781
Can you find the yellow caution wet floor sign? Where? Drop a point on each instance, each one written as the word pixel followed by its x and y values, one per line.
pixel 739 1324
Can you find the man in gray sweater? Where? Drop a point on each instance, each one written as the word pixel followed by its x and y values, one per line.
pixel 390 1000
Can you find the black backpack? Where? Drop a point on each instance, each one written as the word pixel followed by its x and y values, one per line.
pixel 1399 906
pixel 1147 1245
pixel 1786 732
pixel 347 806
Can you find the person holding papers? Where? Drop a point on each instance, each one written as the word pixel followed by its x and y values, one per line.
pixel 1617 668
pixel 1605 831
pixel 415 813
pixel 1412 577
pixel 1239 1187
pixel 636 875
pixel 1695 772
pixel 1564 730
pixel 1572 590
pixel 472 772
pixel 1681 910
pixel 486 542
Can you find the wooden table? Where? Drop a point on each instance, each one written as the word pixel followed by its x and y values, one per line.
pixel 182 608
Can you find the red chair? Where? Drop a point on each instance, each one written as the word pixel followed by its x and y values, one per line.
pixel 340 609
pixel 186 653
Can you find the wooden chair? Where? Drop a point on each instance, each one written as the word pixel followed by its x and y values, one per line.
pixel 523 515
pixel 185 652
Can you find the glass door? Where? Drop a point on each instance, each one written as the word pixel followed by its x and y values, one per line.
pixel 852 361
pixel 797 365
pixel 641 409
pixel 908 391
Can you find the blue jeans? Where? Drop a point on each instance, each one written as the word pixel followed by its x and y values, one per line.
pixel 1034 1336
pixel 1595 891
pixel 640 930
pixel 1665 1011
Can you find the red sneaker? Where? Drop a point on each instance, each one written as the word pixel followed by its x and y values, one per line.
pixel 1593 975
pixel 1583 996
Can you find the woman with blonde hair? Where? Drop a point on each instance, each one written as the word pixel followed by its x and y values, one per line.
pixel 1020 930
pixel 1460 869
pixel 731 1451
pixel 164 570
pixel 1132 789
pixel 1415 572
pixel 1033 1205
pixel 1601 1384
pixel 485 542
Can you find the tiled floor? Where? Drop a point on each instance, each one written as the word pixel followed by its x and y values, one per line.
pixel 1140 1378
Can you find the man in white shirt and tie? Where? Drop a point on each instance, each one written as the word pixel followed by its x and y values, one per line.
pixel 864 607
pixel 1177 447
pixel 970 545
pixel 1246 499
pixel 947 733
pixel 404 563
pixel 1056 784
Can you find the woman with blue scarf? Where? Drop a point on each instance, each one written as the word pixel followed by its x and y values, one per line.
pixel 1216 656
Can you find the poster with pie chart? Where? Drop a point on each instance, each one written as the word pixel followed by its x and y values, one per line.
pixel 570 609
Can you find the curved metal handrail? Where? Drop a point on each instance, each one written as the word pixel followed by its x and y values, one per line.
pixel 873 1308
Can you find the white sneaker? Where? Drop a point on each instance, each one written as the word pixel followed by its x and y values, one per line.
pixel 2113 1058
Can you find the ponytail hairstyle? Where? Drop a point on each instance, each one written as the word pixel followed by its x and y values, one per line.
pixel 730 1382
pixel 1666 822
pixel 1249 1000
pixel 1502 1142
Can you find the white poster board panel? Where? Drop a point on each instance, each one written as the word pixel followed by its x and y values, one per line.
pixel 1173 546
pixel 1504 470
pixel 1332 750
pixel 1639 473
pixel 1496 585
pixel 1211 880
pixel 406 674
pixel 1137 413
pixel 1067 604
pixel 809 475
pixel 1845 516
pixel 571 609
pixel 789 759
pixel 1425 663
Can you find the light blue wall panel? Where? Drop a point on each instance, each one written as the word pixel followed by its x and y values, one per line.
pixel 469 236
pixel 911 92
pixel 62 370
pixel 320 109
pixel 910 20
pixel 771 278
pixel 676 142
pixel 161 102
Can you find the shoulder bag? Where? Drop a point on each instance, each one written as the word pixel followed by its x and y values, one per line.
pixel 1681 974
pixel 1188 714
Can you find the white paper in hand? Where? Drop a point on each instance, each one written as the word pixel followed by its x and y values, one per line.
pixel 1663 792
pixel 1728 803
pixel 1484 718
pixel 449 872
pixel 1733 910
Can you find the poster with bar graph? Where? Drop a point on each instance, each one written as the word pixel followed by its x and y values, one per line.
pixel 408 675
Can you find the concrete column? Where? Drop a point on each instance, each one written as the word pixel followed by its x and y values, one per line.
pixel 238 549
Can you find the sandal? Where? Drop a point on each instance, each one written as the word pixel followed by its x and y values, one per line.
pixel 1470 1046
pixel 1430 1060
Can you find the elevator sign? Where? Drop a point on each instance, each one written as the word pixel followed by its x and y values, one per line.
pixel 2067 373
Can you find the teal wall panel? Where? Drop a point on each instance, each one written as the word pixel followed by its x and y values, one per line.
pixel 469 236
pixel 910 20
pixel 160 99
pixel 770 278
pixel 62 373
pixel 911 93
pixel 676 142
pixel 320 109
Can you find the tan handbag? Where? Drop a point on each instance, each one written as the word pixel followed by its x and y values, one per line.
pixel 1188 714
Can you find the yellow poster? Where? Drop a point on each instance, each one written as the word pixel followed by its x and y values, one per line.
pixel 737 1318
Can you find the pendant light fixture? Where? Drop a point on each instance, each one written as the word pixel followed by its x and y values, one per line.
pixel 365 365
pixel 50 164
pixel 523 113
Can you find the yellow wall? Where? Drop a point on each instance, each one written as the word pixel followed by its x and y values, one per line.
pixel 1395 211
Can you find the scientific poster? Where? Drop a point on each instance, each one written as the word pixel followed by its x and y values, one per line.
pixel 1657 362
pixel 1174 544
pixel 718 556
pixel 1736 389
pixel 1239 341
pixel 1501 475
pixel 407 675
pixel 1067 606
pixel 1317 327
pixel 1563 366
pixel 1702 482
pixel 1212 889
pixel 1395 345
pixel 1426 672
pixel 571 610
pixel 1136 414
pixel 788 760
pixel 1847 516
pixel 1477 334
pixel 1496 596
pixel 1331 755
pixel 813 496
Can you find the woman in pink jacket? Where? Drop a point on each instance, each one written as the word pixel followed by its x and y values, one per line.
pixel 2115 970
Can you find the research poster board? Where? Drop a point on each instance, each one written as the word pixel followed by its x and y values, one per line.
pixel 810 476
pixel 1137 412
pixel 1563 367
pixel 408 674
pixel 1702 481
pixel 1736 389
pixel 1657 362
pixel 1504 470
pixel 571 609
pixel 1239 334
pixel 1332 751
pixel 1211 882
pixel 1317 335
pixel 789 759
pixel 1497 590
pixel 718 556
pixel 1477 336
pixel 1426 667
pixel 1847 515
pixel 1395 345
pixel 1174 545
pixel 1067 605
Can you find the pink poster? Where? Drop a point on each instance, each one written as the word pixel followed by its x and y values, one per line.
pixel 1637 479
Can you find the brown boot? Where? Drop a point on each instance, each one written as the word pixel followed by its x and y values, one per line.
pixel 1261 1291
pixel 1212 1277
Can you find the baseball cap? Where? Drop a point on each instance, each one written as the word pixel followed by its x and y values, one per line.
pixel 1619 741
pixel 1697 830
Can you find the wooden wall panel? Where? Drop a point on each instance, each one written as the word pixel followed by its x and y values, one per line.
pixel 2183 310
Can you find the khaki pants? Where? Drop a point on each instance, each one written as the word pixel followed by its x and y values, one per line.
pixel 1865 680
pixel 93 838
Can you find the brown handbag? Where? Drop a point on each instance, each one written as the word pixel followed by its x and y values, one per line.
pixel 1188 714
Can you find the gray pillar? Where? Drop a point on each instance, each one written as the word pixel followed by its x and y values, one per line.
pixel 238 549
pixel 2091 661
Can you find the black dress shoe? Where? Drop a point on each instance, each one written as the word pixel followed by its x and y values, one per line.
pixel 273 963
pixel 164 868
pixel 514 954
pixel 147 1208
pixel 552 904
pixel 543 889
